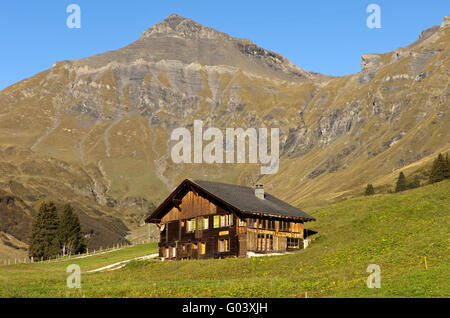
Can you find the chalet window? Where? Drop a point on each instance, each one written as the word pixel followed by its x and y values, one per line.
pixel 264 242
pixel 260 224
pixel 260 243
pixel 269 242
pixel 203 248
pixel 200 223
pixel 284 226
pixel 271 225
pixel 205 223
pixel 224 246
pixel 293 242
pixel 253 223
pixel 242 222
pixel 166 250
pixel 190 225
pixel 174 251
pixel 194 246
pixel 216 221
pixel 226 220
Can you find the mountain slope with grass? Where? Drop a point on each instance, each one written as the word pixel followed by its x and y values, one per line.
pixel 406 234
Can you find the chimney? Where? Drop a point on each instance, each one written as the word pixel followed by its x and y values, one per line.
pixel 259 191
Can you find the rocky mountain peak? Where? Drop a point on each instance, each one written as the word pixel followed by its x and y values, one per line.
pixel 174 19
pixel 178 26
pixel 181 39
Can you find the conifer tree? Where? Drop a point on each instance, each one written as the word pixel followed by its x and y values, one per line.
pixel 44 241
pixel 415 183
pixel 401 183
pixel 369 190
pixel 71 237
pixel 439 170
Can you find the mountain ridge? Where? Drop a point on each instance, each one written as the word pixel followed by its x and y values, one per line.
pixel 180 39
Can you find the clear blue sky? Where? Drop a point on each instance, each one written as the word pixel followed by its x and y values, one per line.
pixel 317 35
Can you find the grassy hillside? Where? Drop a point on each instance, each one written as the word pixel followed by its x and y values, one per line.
pixel 395 231
pixel 11 248
pixel 49 279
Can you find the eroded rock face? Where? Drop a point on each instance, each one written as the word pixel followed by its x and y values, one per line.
pixel 446 22
pixel 370 63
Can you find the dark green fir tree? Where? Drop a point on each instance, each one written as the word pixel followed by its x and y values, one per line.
pixel 71 237
pixel 369 190
pixel 439 169
pixel 44 242
pixel 401 183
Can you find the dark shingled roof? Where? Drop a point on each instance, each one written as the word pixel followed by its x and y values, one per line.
pixel 244 199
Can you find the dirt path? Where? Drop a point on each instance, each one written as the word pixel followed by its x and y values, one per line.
pixel 121 264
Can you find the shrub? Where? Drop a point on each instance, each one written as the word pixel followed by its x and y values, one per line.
pixel 369 190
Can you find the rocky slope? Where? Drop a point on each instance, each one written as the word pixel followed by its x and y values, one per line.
pixel 109 117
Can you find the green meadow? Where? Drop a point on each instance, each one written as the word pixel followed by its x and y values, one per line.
pixel 406 234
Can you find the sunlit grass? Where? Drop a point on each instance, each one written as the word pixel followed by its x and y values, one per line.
pixel 395 231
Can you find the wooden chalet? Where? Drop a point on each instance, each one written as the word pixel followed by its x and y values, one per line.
pixel 203 219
